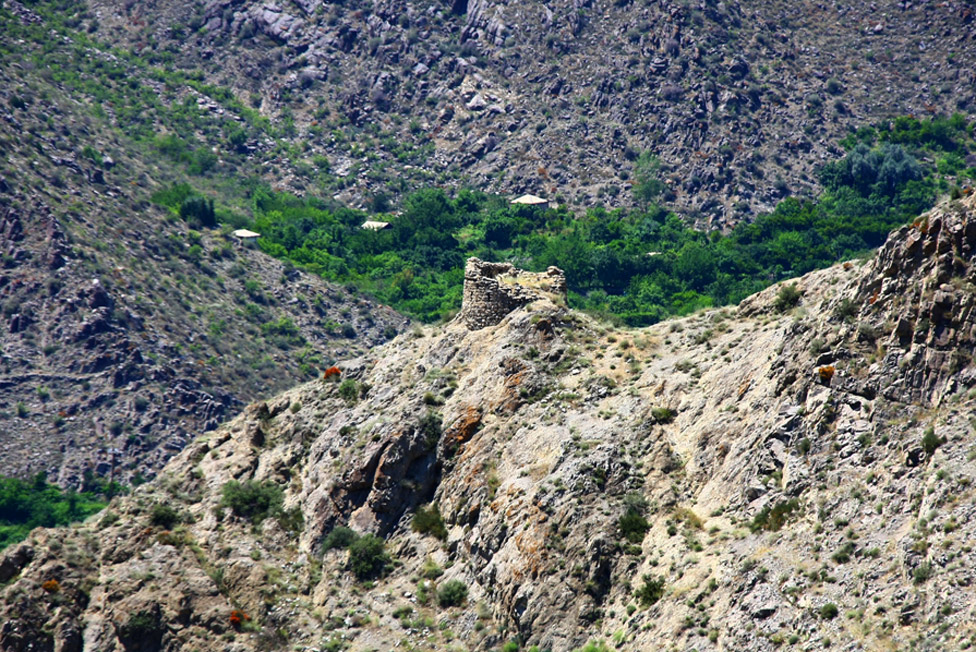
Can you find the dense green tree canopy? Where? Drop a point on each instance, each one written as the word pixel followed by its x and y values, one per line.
pixel 635 266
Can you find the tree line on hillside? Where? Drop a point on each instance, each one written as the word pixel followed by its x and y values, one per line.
pixel 26 504
pixel 635 266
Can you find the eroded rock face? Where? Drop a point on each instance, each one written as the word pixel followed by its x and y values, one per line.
pixel 492 290
pixel 918 300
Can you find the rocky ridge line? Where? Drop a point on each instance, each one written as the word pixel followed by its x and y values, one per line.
pixel 534 437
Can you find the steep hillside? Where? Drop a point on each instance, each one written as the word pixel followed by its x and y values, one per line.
pixel 742 101
pixel 122 328
pixel 796 473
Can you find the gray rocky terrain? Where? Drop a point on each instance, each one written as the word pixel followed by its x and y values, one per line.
pixel 120 342
pixel 795 473
pixel 742 101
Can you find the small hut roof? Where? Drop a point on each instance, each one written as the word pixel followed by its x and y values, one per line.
pixel 244 233
pixel 374 225
pixel 530 200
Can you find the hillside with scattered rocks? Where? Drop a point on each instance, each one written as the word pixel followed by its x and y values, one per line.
pixel 795 473
pixel 741 101
pixel 124 331
pixel 126 328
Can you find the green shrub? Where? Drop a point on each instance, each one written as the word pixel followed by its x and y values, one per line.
pixel 252 500
pixel 922 573
pixel 931 441
pixel 662 415
pixel 429 521
pixel 828 611
pixel 198 212
pixel 174 196
pixel 846 310
pixel 452 593
pixel 843 554
pixel 349 390
pixel 430 426
pixel 787 297
pixel 775 517
pixel 633 526
pixel 164 516
pixel 368 558
pixel 340 537
pixel 650 591
pixel 430 570
pixel 143 631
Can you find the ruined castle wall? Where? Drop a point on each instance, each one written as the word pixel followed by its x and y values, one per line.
pixel 492 290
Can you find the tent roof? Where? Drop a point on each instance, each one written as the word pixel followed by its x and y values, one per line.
pixel 530 200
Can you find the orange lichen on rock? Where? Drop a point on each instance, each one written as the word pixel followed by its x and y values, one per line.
pixel 463 428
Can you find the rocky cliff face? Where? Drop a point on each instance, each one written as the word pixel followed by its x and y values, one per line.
pixel 795 471
pixel 742 101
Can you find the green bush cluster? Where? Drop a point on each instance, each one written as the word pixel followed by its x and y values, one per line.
pixel 774 518
pixel 339 537
pixel 429 521
pixel 829 611
pixel 662 415
pixel 25 505
pixel 431 427
pixel 143 630
pixel 787 297
pixel 452 593
pixel 368 558
pixel 164 516
pixel 650 591
pixel 252 500
pixel 931 441
pixel 595 646
pixel 198 212
pixel 632 524
pixel 638 266
pixel 349 390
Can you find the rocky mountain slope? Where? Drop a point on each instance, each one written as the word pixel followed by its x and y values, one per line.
pixel 742 101
pixel 792 474
pixel 125 332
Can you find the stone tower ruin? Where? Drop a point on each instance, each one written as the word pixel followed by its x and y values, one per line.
pixel 492 290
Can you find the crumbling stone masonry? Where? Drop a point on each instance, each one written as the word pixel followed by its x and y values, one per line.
pixel 492 290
